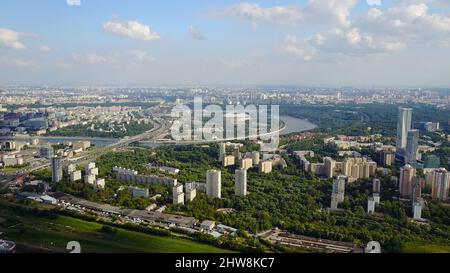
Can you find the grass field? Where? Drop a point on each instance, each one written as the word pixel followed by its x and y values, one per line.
pixel 57 233
pixel 425 247
pixel 11 170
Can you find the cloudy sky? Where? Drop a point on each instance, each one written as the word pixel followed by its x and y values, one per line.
pixel 308 43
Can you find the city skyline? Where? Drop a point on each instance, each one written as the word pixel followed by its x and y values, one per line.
pixel 299 43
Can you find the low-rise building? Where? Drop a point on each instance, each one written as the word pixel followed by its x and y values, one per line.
pixel 207 225
pixel 169 170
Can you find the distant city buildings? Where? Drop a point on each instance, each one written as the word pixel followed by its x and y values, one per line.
pixel 38 121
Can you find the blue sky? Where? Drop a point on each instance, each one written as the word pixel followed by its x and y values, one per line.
pixel 310 42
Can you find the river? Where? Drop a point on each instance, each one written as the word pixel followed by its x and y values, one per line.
pixel 292 124
pixel 296 125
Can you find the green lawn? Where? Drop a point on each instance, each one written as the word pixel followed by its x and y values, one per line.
pixel 9 170
pixel 56 233
pixel 425 247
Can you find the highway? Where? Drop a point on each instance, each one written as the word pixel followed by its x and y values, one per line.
pixel 74 138
pixel 160 128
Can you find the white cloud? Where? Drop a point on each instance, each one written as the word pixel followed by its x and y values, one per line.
pixel 254 13
pixel 73 2
pixel 303 49
pixel 407 23
pixel 95 58
pixel 376 31
pixel 131 29
pixel 45 48
pixel 11 39
pixel 196 33
pixel 315 11
pixel 142 56
pixel 373 2
pixel 338 42
pixel 330 12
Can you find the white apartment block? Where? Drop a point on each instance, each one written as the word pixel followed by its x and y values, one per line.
pixel 214 183
pixel 75 176
pixel 240 182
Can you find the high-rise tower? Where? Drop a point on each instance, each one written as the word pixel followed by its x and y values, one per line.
pixel 403 126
